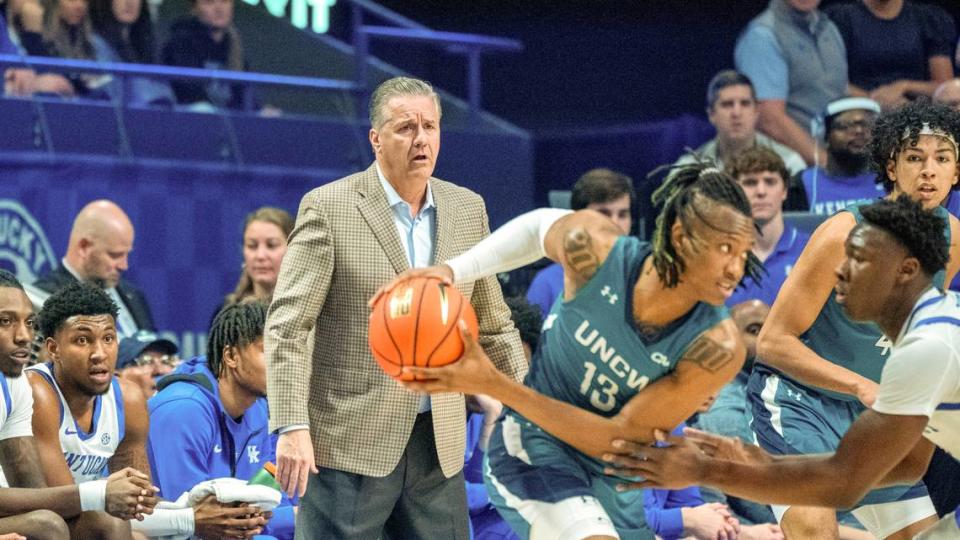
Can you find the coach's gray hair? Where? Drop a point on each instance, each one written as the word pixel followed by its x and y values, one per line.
pixel 396 87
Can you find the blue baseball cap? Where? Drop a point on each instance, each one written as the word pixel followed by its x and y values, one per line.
pixel 133 346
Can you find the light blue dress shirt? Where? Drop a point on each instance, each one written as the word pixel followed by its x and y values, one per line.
pixel 416 234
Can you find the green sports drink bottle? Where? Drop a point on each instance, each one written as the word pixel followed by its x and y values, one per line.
pixel 266 476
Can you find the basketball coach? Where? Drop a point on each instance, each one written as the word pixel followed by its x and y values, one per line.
pixel 373 459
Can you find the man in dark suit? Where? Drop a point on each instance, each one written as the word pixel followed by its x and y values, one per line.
pixel 101 239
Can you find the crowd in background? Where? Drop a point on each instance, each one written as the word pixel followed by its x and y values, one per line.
pixel 124 31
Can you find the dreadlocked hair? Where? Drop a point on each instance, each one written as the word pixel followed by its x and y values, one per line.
pixel 8 280
pixel 919 231
pixel 77 298
pixel 685 195
pixel 887 137
pixel 237 325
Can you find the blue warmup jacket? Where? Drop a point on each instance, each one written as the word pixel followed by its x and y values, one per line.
pixel 193 439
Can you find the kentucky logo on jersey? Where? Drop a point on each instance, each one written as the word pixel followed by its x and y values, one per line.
pixel 253 453
pixel 24 248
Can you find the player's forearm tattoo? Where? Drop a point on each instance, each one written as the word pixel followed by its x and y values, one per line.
pixel 578 249
pixel 21 463
pixel 709 354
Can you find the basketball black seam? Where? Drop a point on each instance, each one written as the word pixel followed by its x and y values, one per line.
pixel 386 326
pixel 374 349
pixel 456 323
pixel 416 324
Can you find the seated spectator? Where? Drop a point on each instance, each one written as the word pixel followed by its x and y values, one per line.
pixel 763 177
pixel 100 242
pixel 608 192
pixel 948 93
pixel 34 509
pixel 223 395
pixel 24 20
pixel 732 109
pixel 127 33
pixel 207 39
pixel 485 522
pixel 798 64
pixel 897 50
pixel 67 33
pixel 265 233
pixel 846 178
pixel 143 358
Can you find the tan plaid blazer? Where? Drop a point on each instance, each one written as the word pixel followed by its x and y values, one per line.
pixel 344 246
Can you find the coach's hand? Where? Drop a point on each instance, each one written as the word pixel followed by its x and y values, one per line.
pixel 213 519
pixel 442 272
pixel 295 461
pixel 473 373
pixel 130 494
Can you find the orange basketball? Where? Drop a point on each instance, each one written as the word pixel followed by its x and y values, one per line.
pixel 416 325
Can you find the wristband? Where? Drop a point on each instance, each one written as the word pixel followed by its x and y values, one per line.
pixel 178 522
pixel 93 496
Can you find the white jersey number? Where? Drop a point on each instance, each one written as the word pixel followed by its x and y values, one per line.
pixel 608 388
pixel 884 343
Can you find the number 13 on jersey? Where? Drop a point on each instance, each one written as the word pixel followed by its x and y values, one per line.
pixel 604 398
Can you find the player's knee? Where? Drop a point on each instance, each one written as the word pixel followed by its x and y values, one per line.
pixel 576 518
pixel 103 526
pixel 44 525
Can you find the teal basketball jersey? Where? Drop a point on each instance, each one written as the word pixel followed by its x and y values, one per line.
pixel 859 347
pixel 591 353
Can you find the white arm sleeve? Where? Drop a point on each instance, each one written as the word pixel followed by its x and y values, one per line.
pixel 919 373
pixel 176 522
pixel 19 421
pixel 517 243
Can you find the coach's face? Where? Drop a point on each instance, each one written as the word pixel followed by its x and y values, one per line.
pixel 84 350
pixel 16 331
pixel 870 272
pixel 408 142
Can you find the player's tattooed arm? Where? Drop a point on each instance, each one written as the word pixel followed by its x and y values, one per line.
pixel 581 242
pixel 21 463
pixel 579 255
pixel 709 355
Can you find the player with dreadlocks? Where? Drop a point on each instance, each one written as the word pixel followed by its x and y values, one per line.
pixel 818 369
pixel 223 395
pixel 638 341
pixel 888 277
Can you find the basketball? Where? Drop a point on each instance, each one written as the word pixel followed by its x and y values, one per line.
pixel 415 324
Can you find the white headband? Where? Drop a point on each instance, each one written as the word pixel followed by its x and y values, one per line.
pixel 925 129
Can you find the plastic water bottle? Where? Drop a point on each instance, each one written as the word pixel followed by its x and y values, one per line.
pixel 266 476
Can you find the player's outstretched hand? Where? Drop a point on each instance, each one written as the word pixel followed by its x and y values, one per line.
pixel 442 272
pixel 678 465
pixel 726 448
pixel 130 495
pixel 213 519
pixel 295 461
pixel 473 373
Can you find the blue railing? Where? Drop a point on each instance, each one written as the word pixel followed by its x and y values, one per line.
pixel 404 29
pixel 168 73
pixel 472 46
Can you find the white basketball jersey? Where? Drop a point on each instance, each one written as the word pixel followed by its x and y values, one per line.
pixel 87 453
pixel 922 376
pixel 16 411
